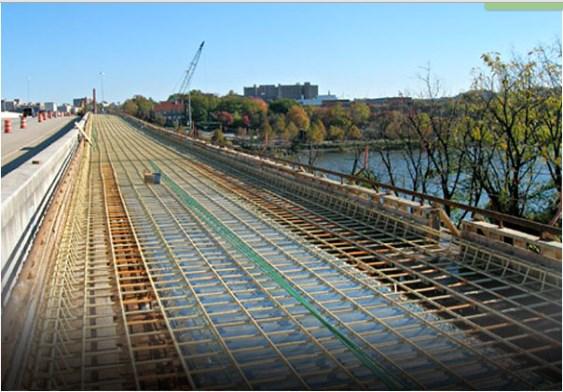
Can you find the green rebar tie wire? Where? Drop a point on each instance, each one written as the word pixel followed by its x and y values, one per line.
pixel 232 239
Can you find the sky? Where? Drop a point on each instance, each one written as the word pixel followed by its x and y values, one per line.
pixel 352 50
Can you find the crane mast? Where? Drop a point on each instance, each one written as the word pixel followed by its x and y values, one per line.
pixel 185 86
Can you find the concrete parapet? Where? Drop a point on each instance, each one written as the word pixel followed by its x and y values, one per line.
pixel 26 193
pixel 369 202
pixel 502 236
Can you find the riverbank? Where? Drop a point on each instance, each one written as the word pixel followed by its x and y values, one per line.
pixel 328 146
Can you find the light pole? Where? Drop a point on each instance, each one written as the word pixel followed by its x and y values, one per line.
pixel 28 79
pixel 102 85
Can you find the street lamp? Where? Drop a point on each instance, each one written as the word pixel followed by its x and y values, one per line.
pixel 102 83
pixel 28 79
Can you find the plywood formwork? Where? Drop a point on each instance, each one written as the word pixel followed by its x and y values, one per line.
pixel 229 276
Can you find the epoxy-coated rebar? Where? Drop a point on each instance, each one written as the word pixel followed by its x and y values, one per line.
pixel 235 241
pixel 251 280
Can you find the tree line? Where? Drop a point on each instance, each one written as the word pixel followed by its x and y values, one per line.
pixel 500 141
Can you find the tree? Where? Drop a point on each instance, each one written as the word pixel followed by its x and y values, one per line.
pixel 218 138
pixel 512 98
pixel 548 137
pixel 337 116
pixel 359 113
pixel 298 117
pixel 225 118
pixel 202 105
pixel 130 107
pixel 290 132
pixel 282 106
pixel 315 134
pixel 354 133
pixel 335 133
pixel 266 132
pixel 279 124
pixel 144 107
pixel 246 121
pixel 413 155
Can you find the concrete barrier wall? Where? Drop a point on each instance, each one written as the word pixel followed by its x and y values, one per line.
pixel 26 193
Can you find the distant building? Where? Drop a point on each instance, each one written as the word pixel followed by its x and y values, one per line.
pixel 10 106
pixel 318 101
pixel 79 102
pixel 270 92
pixel 267 92
pixel 171 111
pixel 385 100
pixel 334 102
pixel 64 108
pixel 50 107
pixel 38 106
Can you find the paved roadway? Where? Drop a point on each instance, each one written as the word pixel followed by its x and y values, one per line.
pixel 22 144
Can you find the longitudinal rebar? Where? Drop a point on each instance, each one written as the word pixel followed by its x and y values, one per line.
pixel 228 275
pixel 459 302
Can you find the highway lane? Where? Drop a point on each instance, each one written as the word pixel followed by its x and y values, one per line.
pixel 22 144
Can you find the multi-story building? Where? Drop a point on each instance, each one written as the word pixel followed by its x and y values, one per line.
pixel 50 106
pixel 64 108
pixel 38 106
pixel 9 106
pixel 79 102
pixel 291 91
pixel 266 92
pixel 318 101
pixel 171 111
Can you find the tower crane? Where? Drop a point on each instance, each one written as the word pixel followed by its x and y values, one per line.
pixel 185 85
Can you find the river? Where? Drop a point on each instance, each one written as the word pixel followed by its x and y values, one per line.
pixel 344 161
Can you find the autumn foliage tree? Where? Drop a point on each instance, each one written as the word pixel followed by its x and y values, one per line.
pixel 298 117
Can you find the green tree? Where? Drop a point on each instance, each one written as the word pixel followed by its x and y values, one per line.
pixel 266 132
pixel 549 136
pixel 144 107
pixel 218 138
pixel 353 133
pixel 359 113
pixel 315 135
pixel 279 124
pixel 335 133
pixel 513 102
pixel 130 107
pixel 337 116
pixel 290 132
pixel 281 106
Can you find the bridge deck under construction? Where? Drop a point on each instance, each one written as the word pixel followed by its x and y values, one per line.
pixel 220 279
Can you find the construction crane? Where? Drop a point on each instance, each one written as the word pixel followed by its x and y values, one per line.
pixel 185 85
